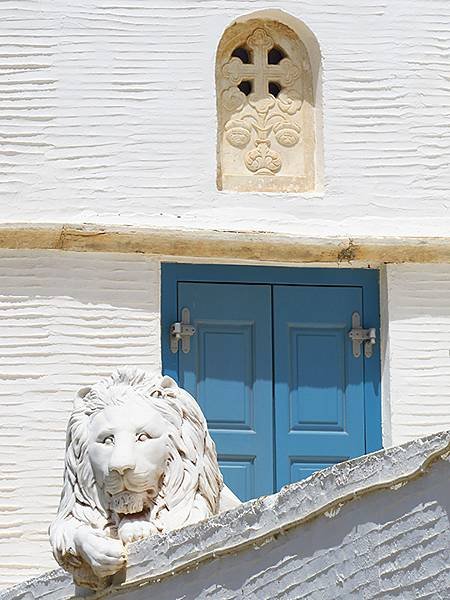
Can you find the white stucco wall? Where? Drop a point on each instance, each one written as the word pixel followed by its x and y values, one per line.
pixel 418 355
pixel 108 116
pixel 65 321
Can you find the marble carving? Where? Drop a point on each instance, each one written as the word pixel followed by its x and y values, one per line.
pixel 139 461
pixel 265 109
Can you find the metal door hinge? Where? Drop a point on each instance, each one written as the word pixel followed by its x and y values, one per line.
pixel 182 330
pixel 358 335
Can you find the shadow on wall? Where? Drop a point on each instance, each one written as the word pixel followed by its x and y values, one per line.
pixel 118 280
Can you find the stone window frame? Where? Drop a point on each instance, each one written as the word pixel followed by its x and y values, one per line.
pixel 237 62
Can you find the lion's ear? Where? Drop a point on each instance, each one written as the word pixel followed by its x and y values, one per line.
pixel 79 401
pixel 167 383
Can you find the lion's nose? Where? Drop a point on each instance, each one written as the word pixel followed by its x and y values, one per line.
pixel 122 460
pixel 121 468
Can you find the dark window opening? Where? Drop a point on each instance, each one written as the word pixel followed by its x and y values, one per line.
pixel 243 54
pixel 275 56
pixel 246 87
pixel 274 88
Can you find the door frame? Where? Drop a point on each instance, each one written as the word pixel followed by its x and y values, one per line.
pixel 367 279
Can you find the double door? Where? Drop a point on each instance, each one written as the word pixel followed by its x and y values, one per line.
pixel 274 370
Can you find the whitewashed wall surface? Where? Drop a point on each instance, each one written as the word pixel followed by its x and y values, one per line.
pixel 417 361
pixel 109 116
pixel 65 321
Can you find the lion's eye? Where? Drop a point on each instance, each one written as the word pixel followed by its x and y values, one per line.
pixel 108 440
pixel 142 437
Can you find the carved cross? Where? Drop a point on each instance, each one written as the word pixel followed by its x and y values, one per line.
pixel 260 71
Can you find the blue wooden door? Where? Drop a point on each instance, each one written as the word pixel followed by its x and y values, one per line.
pixel 319 384
pixel 229 371
pixel 272 367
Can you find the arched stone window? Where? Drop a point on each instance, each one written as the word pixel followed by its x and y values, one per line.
pixel 266 137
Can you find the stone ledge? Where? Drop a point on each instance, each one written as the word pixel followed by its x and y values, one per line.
pixel 257 522
pixel 219 245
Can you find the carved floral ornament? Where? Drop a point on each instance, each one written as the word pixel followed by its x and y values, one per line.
pixel 259 118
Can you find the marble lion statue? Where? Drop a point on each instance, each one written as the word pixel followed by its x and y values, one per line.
pixel 139 461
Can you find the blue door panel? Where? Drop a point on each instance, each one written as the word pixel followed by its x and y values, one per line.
pixel 239 475
pixel 225 387
pixel 311 408
pixel 319 391
pixel 229 371
pixel 301 469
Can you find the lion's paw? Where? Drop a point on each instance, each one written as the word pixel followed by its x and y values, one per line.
pixel 132 530
pixel 104 555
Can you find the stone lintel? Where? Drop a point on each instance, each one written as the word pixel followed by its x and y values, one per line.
pixel 260 246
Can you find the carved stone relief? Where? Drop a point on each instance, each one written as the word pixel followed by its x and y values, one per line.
pixel 265 109
pixel 139 461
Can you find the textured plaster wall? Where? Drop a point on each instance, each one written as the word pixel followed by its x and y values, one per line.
pixel 390 545
pixel 65 320
pixel 418 353
pixel 108 116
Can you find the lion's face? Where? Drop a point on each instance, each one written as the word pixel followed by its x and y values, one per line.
pixel 128 447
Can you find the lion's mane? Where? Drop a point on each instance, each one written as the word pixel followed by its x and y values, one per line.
pixel 192 481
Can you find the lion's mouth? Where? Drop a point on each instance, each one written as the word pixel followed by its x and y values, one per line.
pixel 128 502
pixel 116 483
pixel 131 493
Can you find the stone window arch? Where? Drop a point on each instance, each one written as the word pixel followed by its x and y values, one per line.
pixel 265 102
